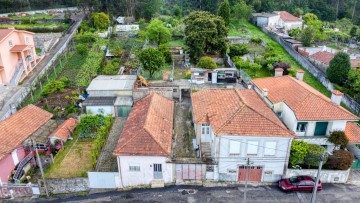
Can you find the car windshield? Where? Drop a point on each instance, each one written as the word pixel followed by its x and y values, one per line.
pixel 293 180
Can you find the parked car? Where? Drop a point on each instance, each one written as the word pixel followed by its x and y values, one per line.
pixel 299 183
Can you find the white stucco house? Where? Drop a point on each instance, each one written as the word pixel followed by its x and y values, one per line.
pixel 304 110
pixel 277 19
pixel 288 21
pixel 234 125
pixel 266 19
pixel 145 144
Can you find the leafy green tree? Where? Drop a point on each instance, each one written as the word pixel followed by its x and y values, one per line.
pixel 112 67
pixel 177 11
pixel 242 11
pixel 339 68
pixel 353 31
pixel 101 20
pixel 307 37
pixel 340 160
pixel 224 12
pixel 298 152
pixel 254 67
pixel 207 62
pixel 353 84
pixel 166 53
pixel 205 32
pixel 238 49
pixel 151 59
pixel 309 18
pixel 338 138
pixel 298 12
pixel 81 49
pixel 315 152
pixel 157 32
pixel 294 32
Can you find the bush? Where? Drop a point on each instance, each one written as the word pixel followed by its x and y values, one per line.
pixel 82 49
pixel 294 32
pixel 298 152
pixel 85 37
pixel 338 138
pixel 112 68
pixel 206 62
pixel 340 160
pixel 256 40
pixel 238 49
pixel 166 53
pixel 54 86
pixel 315 152
pixel 241 63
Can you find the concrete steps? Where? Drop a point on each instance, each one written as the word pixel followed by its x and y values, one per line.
pixel 157 183
pixel 205 150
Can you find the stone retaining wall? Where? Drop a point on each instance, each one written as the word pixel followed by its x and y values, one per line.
pixel 326 176
pixel 71 185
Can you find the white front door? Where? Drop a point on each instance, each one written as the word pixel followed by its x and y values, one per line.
pixel 158 171
pixel 15 157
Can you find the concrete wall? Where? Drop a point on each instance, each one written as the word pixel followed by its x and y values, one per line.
pixel 109 93
pixel 146 173
pixel 275 164
pixel 288 117
pixel 7 164
pixel 71 185
pixel 104 110
pixel 326 176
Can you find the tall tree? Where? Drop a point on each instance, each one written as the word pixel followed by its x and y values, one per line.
pixel 339 68
pixel 205 32
pixel 151 59
pixel 242 10
pixel 101 20
pixel 224 11
pixel 157 33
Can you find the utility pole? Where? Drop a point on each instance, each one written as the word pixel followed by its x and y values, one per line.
pixel 41 168
pixel 246 177
pixel 313 197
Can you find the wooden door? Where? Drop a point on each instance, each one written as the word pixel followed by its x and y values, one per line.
pixel 254 173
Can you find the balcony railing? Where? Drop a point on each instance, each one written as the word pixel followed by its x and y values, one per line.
pixel 19 170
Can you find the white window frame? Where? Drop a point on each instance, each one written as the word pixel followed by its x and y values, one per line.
pixel 11 43
pixel 134 167
pixel 252 143
pixel 304 124
pixel 271 149
pixel 232 145
pixel 205 129
pixel 27 41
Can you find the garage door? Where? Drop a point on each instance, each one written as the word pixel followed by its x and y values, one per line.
pixel 254 173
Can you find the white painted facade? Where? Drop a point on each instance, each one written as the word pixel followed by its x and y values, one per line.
pixel 289 25
pixel 145 174
pixel 103 110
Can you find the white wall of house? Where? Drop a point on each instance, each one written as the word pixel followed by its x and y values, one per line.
pixel 269 152
pixel 104 110
pixel 262 21
pixel 289 25
pixel 272 21
pixel 288 117
pixel 145 175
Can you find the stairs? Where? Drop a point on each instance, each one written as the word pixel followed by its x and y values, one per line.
pixel 157 183
pixel 205 150
pixel 21 165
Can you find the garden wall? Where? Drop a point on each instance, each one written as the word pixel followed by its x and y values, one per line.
pixel 71 185
pixel 320 76
pixel 326 176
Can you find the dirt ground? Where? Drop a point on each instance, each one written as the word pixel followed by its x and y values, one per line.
pixel 76 163
pixel 56 99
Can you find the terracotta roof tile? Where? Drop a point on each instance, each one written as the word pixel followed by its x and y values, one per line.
pixel 287 17
pixel 352 132
pixel 148 129
pixel 307 103
pixel 18 127
pixel 65 129
pixel 4 33
pixel 323 56
pixel 236 112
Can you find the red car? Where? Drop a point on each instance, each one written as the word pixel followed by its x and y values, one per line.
pixel 299 183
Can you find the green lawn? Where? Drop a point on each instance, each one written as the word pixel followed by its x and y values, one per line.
pixel 177 43
pixel 245 29
pixel 37 16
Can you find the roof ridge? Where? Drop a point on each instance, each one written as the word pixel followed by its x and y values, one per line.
pixel 152 137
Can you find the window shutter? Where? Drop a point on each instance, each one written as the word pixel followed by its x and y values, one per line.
pixel 234 147
pixel 252 147
pixel 269 149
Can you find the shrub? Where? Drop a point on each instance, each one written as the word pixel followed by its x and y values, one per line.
pixel 256 40
pixel 54 86
pixel 112 68
pixel 340 160
pixel 338 138
pixel 238 49
pixel 206 62
pixel 166 53
pixel 294 32
pixel 241 63
pixel 81 49
pixel 85 37
pixel 298 152
pixel 315 152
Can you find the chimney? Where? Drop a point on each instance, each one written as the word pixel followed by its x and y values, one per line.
pixel 336 97
pixel 249 85
pixel 300 74
pixel 278 72
pixel 265 92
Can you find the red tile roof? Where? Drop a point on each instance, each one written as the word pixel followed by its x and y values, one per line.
pixel 323 56
pixel 20 126
pixel 236 112
pixel 355 63
pixel 65 129
pixel 307 103
pixel 352 132
pixel 4 33
pixel 287 17
pixel 148 129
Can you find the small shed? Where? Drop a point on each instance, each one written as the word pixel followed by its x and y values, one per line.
pixel 100 105
pixel 113 85
pixel 214 76
pixel 64 131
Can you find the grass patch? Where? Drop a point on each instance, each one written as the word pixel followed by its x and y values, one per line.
pixel 177 43
pixel 72 67
pixel 243 28
pixel 158 74
pixel 36 16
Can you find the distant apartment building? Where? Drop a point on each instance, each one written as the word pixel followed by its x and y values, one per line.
pixel 17 55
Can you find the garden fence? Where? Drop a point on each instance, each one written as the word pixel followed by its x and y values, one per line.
pixel 320 76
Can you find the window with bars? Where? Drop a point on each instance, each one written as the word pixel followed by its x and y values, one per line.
pixel 134 167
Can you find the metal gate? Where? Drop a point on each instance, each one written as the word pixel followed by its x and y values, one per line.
pixel 254 173
pixel 186 172
pixel 107 180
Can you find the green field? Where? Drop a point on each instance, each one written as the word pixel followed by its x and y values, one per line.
pixel 245 29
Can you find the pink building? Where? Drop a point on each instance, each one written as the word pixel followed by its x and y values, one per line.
pixel 15 132
pixel 17 55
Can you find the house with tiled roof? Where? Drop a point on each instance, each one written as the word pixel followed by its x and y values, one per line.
pixel 15 141
pixel 232 125
pixel 304 110
pixel 145 144
pixel 63 132
pixel 288 21
pixel 322 59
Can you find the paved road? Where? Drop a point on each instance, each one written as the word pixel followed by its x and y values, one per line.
pixel 337 193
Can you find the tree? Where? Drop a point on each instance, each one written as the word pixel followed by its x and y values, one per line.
pixel 315 152
pixel 294 32
pixel 353 31
pixel 101 20
pixel 205 32
pixel 166 53
pixel 339 68
pixel 338 138
pixel 255 67
pixel 298 12
pixel 151 59
pixel 206 62
pixel 298 152
pixel 340 160
pixel 238 49
pixel 309 18
pixel 224 12
pixel 307 37
pixel 242 10
pixel 81 49
pixel 157 33
pixel 177 11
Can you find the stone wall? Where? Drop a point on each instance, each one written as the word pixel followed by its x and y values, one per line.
pixel 72 185
pixel 326 176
